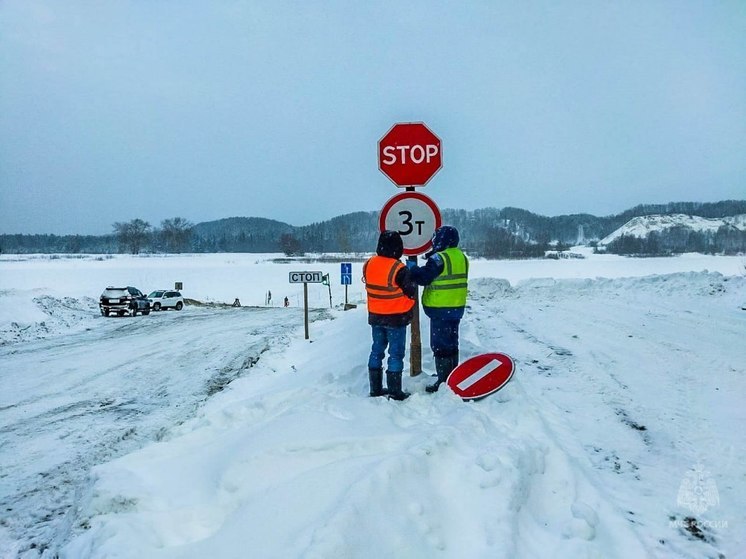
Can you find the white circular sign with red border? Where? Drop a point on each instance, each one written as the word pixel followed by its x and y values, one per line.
pixel 481 375
pixel 415 217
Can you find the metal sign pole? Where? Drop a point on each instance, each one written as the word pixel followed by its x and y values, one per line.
pixel 415 344
pixel 305 305
pixel 305 278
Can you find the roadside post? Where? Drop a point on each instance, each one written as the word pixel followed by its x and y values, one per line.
pixel 346 279
pixel 327 282
pixel 409 154
pixel 305 278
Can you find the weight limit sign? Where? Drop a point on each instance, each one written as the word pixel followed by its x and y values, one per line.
pixel 415 217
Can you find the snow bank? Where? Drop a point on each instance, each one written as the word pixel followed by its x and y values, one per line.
pixel 296 461
pixel 33 314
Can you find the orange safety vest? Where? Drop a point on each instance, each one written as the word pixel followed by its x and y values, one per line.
pixel 384 296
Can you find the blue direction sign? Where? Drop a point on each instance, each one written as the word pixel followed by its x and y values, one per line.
pixel 346 273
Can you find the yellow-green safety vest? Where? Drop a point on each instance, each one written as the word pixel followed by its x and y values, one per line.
pixel 449 288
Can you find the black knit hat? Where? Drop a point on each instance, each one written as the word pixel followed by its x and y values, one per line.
pixel 445 237
pixel 390 244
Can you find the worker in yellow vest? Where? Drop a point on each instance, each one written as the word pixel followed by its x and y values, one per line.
pixel 391 295
pixel 444 277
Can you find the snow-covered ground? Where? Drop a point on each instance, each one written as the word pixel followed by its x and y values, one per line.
pixel 222 432
pixel 642 226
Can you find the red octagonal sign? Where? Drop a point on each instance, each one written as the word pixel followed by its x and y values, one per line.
pixel 480 376
pixel 409 154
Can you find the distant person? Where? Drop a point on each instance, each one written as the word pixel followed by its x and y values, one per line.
pixel 444 277
pixel 391 294
pixel 287 302
pixel 269 298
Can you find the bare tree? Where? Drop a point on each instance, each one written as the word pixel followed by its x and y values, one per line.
pixel 133 234
pixel 176 234
pixel 290 245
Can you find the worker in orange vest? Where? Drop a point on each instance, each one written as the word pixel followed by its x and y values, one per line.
pixel 391 296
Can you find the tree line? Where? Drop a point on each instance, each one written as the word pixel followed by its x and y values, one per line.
pixel 489 232
pixel 678 240
pixel 174 236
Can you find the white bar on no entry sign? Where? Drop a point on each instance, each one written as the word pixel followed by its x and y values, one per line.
pixel 479 374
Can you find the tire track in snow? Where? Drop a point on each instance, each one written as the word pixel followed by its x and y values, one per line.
pixel 80 401
pixel 615 430
pixel 567 496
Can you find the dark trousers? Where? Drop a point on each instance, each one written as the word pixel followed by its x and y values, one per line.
pixel 444 337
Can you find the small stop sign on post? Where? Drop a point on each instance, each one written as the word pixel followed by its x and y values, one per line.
pixel 409 154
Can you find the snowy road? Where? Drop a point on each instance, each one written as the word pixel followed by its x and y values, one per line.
pixel 100 393
pixel 619 436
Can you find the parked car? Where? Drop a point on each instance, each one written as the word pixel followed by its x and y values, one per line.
pixel 121 300
pixel 165 299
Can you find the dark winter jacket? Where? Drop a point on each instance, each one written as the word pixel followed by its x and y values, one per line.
pixel 445 237
pixel 390 246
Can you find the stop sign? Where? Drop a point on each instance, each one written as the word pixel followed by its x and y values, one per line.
pixel 409 154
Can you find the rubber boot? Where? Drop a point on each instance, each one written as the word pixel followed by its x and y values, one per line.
pixel 375 377
pixel 393 382
pixel 443 367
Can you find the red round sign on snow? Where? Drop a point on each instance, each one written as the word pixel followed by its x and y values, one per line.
pixel 409 154
pixel 480 376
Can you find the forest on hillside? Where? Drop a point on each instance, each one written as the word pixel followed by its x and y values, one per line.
pixel 488 232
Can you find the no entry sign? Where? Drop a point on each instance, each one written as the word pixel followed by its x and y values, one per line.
pixel 409 154
pixel 415 217
pixel 480 376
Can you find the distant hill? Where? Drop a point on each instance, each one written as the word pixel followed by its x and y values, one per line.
pixel 677 233
pixel 643 226
pixel 491 232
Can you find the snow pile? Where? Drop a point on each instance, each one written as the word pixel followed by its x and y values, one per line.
pixel 295 461
pixel 642 226
pixel 33 314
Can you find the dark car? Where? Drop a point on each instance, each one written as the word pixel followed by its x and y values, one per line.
pixel 121 300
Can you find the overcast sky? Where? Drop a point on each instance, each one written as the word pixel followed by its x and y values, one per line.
pixel 115 110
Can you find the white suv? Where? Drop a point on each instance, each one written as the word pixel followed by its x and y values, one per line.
pixel 163 299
